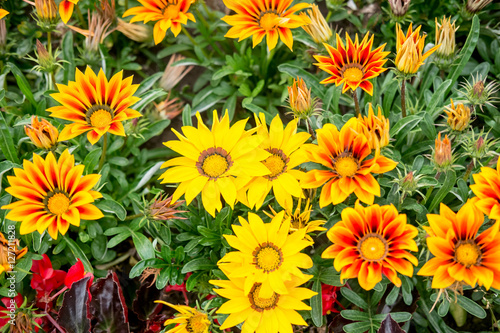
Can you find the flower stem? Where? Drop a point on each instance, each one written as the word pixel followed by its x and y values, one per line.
pixel 403 98
pixel 356 102
pixel 125 5
pixel 49 42
pixel 310 129
pixel 104 149
pixel 56 325
pixel 469 170
pixel 131 217
pixel 53 79
pixel 188 35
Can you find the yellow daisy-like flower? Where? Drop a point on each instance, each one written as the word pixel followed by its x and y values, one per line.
pixel 266 254
pixel 95 105
pixel 8 250
pixel 66 9
pixel 265 18
pixel 214 162
pixel 273 313
pixel 53 194
pixel 169 14
pixel 487 189
pixel 3 13
pixel 284 147
pixel 188 320
pixel 375 128
pixel 300 219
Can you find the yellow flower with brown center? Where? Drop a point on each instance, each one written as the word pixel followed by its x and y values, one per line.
pixel 375 128
pixel 42 133
pixel 353 64
pixel 371 241
pixel 52 195
pixel 8 252
pixel 266 254
pixel 458 116
pixel 344 154
pixel 214 162
pixel 442 156
pixel 187 320
pixel 445 36
pixel 486 188
pixel 318 29
pixel 301 103
pixel 275 312
pixel 3 13
pixel 267 18
pixel 409 50
pixel 168 14
pixel 66 8
pixel 283 145
pixel 95 105
pixel 461 255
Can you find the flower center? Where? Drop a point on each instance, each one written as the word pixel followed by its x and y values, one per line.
pixel 214 162
pixel 346 165
pixel 373 247
pixel 99 116
pixel 58 203
pixel 268 257
pixel 269 20
pixel 468 253
pixel 352 73
pixel 260 304
pixel 197 324
pixel 276 163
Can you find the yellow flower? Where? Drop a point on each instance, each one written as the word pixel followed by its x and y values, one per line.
pixel 188 320
pixel 445 36
pixel 285 155
pixel 266 254
pixel 375 128
pixel 409 49
pixel 46 9
pixel 9 250
pixel 265 18
pixel 458 116
pixel 301 103
pixel 169 14
pixel 3 13
pixel 300 219
pixel 66 9
pixel 442 156
pixel 273 313
pixel 214 162
pixel 318 29
pixel 42 133
pixel 52 195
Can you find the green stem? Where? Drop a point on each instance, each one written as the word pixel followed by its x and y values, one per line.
pixel 53 79
pixel 80 16
pixel 403 98
pixel 189 35
pixel 125 4
pixel 131 217
pixel 104 149
pixel 469 170
pixel 356 102
pixel 49 41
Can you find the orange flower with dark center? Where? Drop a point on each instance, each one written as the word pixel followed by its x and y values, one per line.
pixel 487 189
pixel 348 168
pixel 353 63
pixel 272 19
pixel 95 105
pixel 460 254
pixel 52 195
pixel 371 241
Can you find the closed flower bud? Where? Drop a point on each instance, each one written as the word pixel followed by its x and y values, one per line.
pixel 399 7
pixel 165 209
pixel 174 74
pixel 479 93
pixel 318 29
pixel 134 31
pixel 46 14
pixel 458 116
pixel 442 157
pixel 169 108
pixel 300 101
pixel 42 133
pixel 375 128
pixel 445 37
pixel 474 6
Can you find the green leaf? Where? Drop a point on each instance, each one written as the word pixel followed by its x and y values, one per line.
pixel 428 127
pixel 111 206
pixel 448 184
pixel 471 307
pixel 197 265
pixel 143 246
pixel 400 317
pixel 310 79
pixel 147 83
pixel 68 54
pixel 186 116
pixel 78 253
pixel 332 99
pixel 405 124
pixel 22 83
pixel 317 305
pixel 256 109
pixel 392 297
pixel 143 264
pixel 353 298
pixel 355 315
pixel 330 276
pixel 357 327
pixel 437 98
pixel 91 160
pixel 6 141
pixel 148 97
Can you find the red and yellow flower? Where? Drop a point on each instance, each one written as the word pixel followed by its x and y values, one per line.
pixel 375 128
pixel 371 241
pixel 487 189
pixel 353 63
pixel 348 168
pixel 461 255
pixel 66 9
pixel 52 195
pixel 272 19
pixel 95 105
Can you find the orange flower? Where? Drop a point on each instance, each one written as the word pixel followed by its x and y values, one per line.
pixel 371 241
pixel 95 105
pixel 375 128
pixel 168 14
pixel 344 154
pixel 3 13
pixel 460 254
pixel 53 194
pixel 353 64
pixel 487 189
pixel 442 153
pixel 66 9
pixel 265 18
pixel 42 133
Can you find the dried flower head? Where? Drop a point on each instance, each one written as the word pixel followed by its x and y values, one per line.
pixel 474 6
pixel 164 209
pixel 174 74
pixel 441 156
pixel 399 8
pixel 169 108
pixel 301 104
pixel 445 37
pixel 478 93
pixel 135 31
pixel 458 116
pixel 149 271
pixel 318 29
pixel 42 133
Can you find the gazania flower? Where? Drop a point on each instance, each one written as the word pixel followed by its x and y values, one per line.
pixel 375 128
pixel 266 254
pixel 266 18
pixel 3 13
pixel 214 162
pixel 300 102
pixel 283 179
pixel 9 253
pixel 168 14
pixel 353 64
pixel 399 8
pixel 172 75
pixel 460 254
pixel 458 116
pixel 95 105
pixel 52 195
pixel 300 219
pixel 474 6
pixel 486 188
pixel 188 320
pixel 272 313
pixel 348 169
pixel 66 9
pixel 442 156
pixel 42 133
pixel 371 241
pixel 445 36
pixel 409 50
pixel 318 29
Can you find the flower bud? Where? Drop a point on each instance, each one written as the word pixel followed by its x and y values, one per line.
pixel 46 12
pixel 375 128
pixel 164 209
pixel 445 37
pixel 399 7
pixel 169 108
pixel 42 133
pixel 478 93
pixel 318 29
pixel 134 31
pixel 300 101
pixel 174 74
pixel 458 116
pixel 442 157
pixel 474 6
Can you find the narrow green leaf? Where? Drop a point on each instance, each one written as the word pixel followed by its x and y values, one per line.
pixel 317 305
pixel 148 97
pixel 354 298
pixel 197 264
pixel 471 307
pixel 355 315
pixel 111 206
pixel 22 83
pixel 186 116
pixel 448 184
pixel 358 327
pixel 78 253
pixel 91 160
pixel 68 54
pixel 6 141
pixel 437 98
pixel 147 83
pixel 143 246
